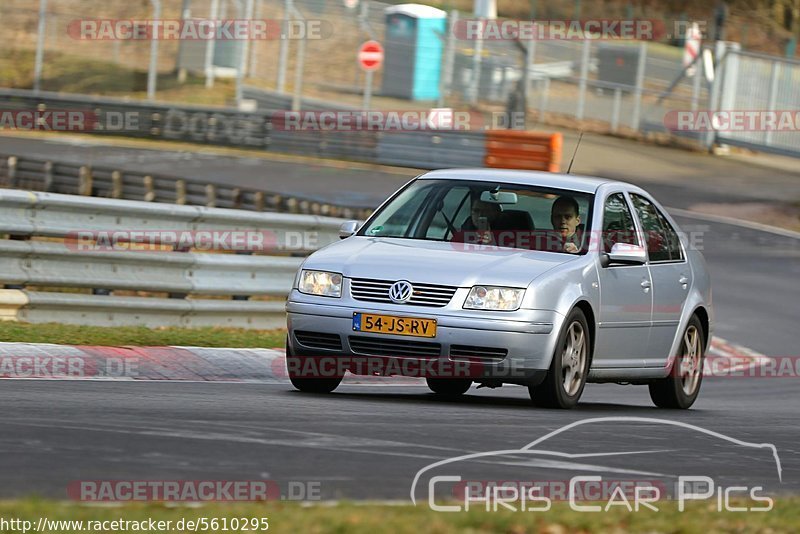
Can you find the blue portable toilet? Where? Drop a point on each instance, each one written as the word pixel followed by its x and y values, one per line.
pixel 413 51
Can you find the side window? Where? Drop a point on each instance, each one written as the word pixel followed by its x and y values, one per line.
pixel 662 240
pixel 618 224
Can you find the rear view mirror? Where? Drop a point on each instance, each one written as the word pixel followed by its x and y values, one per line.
pixel 347 229
pixel 499 197
pixel 624 254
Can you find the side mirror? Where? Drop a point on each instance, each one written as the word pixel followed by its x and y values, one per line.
pixel 347 229
pixel 624 254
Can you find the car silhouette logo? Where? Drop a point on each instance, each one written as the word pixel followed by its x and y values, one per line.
pixel 401 291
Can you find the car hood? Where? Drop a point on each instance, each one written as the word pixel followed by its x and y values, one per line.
pixel 434 262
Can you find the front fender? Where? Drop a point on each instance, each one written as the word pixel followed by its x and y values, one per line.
pixel 561 289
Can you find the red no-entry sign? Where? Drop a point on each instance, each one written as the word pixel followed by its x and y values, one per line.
pixel 370 55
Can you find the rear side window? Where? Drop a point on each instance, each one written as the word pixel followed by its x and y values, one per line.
pixel 663 243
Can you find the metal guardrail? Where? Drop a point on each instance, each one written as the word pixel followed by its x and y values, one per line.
pixel 256 129
pixel 37 174
pixel 272 100
pixel 48 280
pixel 432 150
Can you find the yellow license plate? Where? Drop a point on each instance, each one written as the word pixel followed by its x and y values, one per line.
pixel 390 324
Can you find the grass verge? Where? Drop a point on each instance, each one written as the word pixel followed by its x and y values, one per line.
pixel 354 518
pixel 75 74
pixel 117 336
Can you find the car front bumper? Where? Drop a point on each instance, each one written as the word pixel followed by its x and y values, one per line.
pixel 528 337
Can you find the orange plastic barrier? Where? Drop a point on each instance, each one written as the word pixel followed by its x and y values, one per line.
pixel 518 149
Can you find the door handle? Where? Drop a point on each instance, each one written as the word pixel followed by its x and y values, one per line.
pixel 684 281
pixel 645 284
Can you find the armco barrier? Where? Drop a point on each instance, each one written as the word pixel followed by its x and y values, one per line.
pixel 38 174
pixel 267 100
pixel 47 274
pixel 260 129
pixel 513 149
pixel 432 150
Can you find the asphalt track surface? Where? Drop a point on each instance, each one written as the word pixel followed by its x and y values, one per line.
pixel 368 442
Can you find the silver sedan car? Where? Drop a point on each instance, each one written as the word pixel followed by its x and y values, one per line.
pixel 500 277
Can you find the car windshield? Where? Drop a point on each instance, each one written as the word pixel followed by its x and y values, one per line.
pixel 486 213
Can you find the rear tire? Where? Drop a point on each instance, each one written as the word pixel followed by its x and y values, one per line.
pixel 449 387
pixel 679 390
pixel 307 384
pixel 566 378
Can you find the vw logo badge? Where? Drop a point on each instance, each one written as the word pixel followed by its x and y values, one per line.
pixel 400 291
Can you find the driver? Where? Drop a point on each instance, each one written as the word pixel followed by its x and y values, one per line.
pixel 565 218
pixel 481 224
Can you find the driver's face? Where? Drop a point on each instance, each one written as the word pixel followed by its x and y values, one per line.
pixel 482 209
pixel 565 220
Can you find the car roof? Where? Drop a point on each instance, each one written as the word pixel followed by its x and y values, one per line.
pixel 571 182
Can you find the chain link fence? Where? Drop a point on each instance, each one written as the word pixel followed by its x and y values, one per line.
pixel 613 85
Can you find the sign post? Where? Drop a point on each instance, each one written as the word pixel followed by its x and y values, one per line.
pixel 370 57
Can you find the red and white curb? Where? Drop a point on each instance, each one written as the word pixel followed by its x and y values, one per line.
pixel 201 364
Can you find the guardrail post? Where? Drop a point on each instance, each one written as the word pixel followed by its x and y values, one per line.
pixel 116 184
pixel 258 200
pixel 242 297
pixel 47 183
pixel 149 189
pixel 180 192
pixel 211 195
pixel 236 198
pixel 277 202
pixel 85 181
pixel 12 171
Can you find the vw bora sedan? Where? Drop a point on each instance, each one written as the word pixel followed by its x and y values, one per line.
pixel 507 277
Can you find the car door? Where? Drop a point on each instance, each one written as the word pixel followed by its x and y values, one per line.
pixel 670 274
pixel 625 296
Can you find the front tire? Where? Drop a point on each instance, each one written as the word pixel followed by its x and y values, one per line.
pixel 449 387
pixel 295 366
pixel 679 390
pixel 566 378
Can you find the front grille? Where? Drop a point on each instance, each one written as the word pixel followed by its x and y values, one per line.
pixel 318 340
pixel 369 346
pixel 464 352
pixel 424 294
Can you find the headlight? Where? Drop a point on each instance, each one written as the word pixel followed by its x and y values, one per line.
pixel 494 298
pixel 320 283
